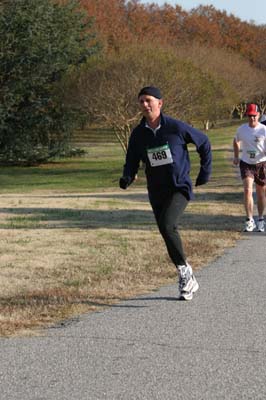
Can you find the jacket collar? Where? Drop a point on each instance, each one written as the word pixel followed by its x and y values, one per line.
pixel 162 122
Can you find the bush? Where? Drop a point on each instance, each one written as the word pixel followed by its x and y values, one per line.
pixel 40 41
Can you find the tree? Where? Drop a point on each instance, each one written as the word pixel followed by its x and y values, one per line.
pixel 242 80
pixel 106 89
pixel 208 26
pixel 110 22
pixel 121 22
pixel 40 41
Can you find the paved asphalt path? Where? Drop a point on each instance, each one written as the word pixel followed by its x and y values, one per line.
pixel 155 347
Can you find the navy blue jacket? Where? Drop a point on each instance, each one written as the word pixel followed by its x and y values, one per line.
pixel 177 135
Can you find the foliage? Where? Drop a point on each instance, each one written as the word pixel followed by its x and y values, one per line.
pixel 240 81
pixel 204 60
pixel 121 22
pixel 40 41
pixel 221 46
pixel 106 89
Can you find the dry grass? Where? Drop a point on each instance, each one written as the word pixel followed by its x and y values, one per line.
pixel 66 254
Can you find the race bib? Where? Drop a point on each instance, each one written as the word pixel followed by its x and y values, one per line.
pixel 252 153
pixel 160 156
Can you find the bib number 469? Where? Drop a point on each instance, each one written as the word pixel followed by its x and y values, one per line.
pixel 159 155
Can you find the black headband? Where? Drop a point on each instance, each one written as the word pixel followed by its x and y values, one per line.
pixel 150 91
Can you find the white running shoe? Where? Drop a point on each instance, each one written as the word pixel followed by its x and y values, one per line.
pixel 187 282
pixel 249 225
pixel 261 225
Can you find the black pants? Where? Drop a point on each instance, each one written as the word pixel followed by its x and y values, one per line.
pixel 168 207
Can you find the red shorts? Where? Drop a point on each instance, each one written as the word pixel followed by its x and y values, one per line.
pixel 255 171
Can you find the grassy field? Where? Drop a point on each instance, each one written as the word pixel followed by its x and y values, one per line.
pixel 72 242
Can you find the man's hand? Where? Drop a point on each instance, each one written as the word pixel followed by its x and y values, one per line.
pixel 124 182
pixel 236 160
pixel 200 181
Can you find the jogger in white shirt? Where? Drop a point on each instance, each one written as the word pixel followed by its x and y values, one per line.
pixel 251 139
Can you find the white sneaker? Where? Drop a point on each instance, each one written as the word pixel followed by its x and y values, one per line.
pixel 249 225
pixel 261 225
pixel 187 282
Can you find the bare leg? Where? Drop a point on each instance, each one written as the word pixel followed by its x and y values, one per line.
pixel 260 190
pixel 248 196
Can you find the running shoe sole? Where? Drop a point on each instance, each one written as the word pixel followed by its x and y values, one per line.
pixel 250 229
pixel 189 295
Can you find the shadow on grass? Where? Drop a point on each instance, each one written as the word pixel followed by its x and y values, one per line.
pixel 141 197
pixel 233 197
pixel 118 217
pixel 43 218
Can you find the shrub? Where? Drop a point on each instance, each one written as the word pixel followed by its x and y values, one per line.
pixel 40 41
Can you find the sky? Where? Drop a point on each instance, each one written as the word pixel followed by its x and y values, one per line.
pixel 254 10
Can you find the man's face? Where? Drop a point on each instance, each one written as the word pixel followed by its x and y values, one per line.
pixel 253 120
pixel 150 106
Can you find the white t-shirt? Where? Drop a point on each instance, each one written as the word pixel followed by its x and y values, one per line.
pixel 253 143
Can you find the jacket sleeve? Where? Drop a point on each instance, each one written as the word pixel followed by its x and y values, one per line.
pixel 133 157
pixel 203 147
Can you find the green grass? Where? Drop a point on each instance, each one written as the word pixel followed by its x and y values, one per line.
pixel 222 151
pixel 100 168
pixel 70 174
